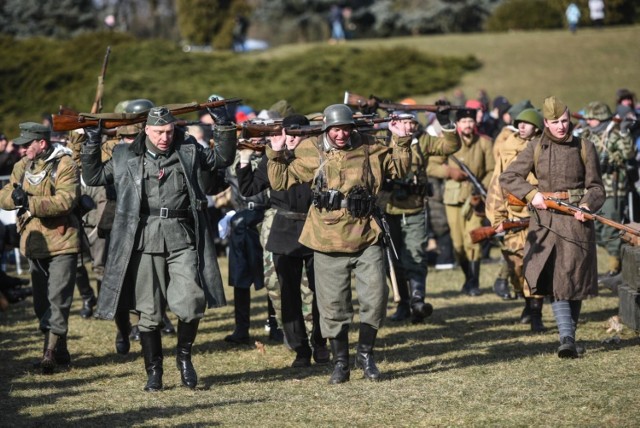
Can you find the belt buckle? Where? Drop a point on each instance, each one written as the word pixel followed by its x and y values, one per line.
pixel 251 205
pixel 164 212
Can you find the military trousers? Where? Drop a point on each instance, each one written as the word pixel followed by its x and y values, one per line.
pixel 161 279
pixel 409 235
pixel 333 288
pixel 53 280
pixel 461 222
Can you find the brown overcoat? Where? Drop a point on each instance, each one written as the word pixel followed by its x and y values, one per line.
pixel 560 253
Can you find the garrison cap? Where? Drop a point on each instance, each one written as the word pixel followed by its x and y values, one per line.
pixel 30 131
pixel 553 108
pixel 466 112
pixel 159 116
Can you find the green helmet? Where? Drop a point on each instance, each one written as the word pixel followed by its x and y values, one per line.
pixel 598 110
pixel 121 106
pixel 140 105
pixel 531 116
pixel 337 114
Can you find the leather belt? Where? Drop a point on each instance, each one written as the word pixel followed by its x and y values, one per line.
pixel 166 213
pixel 292 215
pixel 556 195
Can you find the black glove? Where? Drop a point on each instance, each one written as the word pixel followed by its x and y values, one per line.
pixel 94 134
pixel 19 196
pixel 219 114
pixel 442 114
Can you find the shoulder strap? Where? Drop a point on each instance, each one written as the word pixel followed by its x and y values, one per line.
pixel 538 149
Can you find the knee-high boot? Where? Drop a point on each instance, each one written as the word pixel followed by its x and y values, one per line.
pixel 465 266
pixel 151 342
pixel 419 309
pixel 403 310
pixel 364 355
pixel 123 343
pixel 242 310
pixel 186 336
pixel 473 288
pixel 340 350
pixel 535 310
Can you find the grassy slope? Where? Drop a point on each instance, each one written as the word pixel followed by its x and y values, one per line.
pixel 470 365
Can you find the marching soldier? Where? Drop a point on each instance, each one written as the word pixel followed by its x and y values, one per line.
pixel 346 170
pixel 161 250
pixel 44 187
pixel 530 125
pixel 560 251
pixel 465 209
pixel 404 202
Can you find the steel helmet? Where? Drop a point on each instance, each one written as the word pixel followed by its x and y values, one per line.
pixel 121 106
pixel 531 116
pixel 140 105
pixel 337 114
pixel 598 110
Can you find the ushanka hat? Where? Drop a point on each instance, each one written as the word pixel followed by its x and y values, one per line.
pixel 159 116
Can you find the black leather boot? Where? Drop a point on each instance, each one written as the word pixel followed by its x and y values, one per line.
pixel 501 288
pixel 364 353
pixel 123 343
pixel 88 296
pixel 242 311
pixel 567 348
pixel 403 310
pixel 419 309
pixel 186 336
pixel 168 325
pixel 151 342
pixel 48 363
pixel 340 350
pixel 535 309
pixel 525 316
pixel 465 266
pixel 61 352
pixel 473 288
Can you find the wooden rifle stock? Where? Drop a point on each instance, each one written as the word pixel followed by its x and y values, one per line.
pixel 481 233
pixel 97 103
pixel 374 103
pixel 566 208
pixel 113 120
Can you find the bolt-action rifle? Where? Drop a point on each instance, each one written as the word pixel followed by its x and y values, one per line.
pixel 97 102
pixel 628 233
pixel 479 234
pixel 113 120
pixel 374 103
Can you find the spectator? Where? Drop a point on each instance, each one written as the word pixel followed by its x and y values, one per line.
pixel 8 156
pixel 336 25
pixel 573 17
pixel 596 12
pixel 240 28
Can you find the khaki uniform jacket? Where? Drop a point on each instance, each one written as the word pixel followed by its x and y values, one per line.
pixel 337 231
pixel 558 244
pixel 48 228
pixel 421 149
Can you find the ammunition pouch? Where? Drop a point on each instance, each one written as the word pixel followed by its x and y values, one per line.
pixel 402 189
pixel 360 202
pixel 329 200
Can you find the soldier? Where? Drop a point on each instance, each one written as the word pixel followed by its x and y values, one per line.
pixel 530 125
pixel 44 187
pixel 161 250
pixel 560 251
pixel 404 202
pixel 346 170
pixel 465 209
pixel 289 256
pixel 616 151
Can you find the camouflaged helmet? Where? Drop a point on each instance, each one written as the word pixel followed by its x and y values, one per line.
pixel 140 105
pixel 337 114
pixel 531 116
pixel 598 110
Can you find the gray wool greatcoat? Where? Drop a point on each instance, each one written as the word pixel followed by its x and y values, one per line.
pixel 125 171
pixel 560 252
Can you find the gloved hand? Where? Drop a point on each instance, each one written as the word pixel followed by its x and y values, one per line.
pixel 443 113
pixel 219 114
pixel 19 196
pixel 94 134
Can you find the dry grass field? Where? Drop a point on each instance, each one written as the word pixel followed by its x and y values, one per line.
pixel 470 364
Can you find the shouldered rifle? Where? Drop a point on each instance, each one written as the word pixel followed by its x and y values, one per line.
pixel 113 120
pixel 581 117
pixel 485 232
pixel 477 185
pixel 97 103
pixel 374 103
pixel 567 208
pixel 388 247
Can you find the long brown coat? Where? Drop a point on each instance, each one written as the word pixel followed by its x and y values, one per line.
pixel 560 253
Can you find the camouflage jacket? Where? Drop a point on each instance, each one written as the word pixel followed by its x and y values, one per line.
pixel 422 148
pixel 48 228
pixel 619 149
pixel 338 231
pixel 477 154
